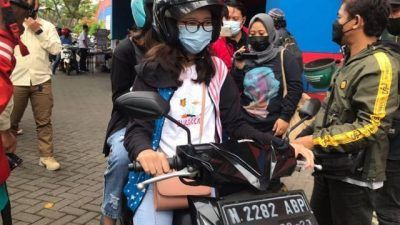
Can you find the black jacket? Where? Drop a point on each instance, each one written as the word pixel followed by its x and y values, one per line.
pixel 151 76
pixel 123 74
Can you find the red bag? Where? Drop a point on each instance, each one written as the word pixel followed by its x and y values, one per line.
pixel 4 167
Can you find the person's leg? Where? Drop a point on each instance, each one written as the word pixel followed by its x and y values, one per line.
pixel 82 61
pixel 115 178
pixel 146 214
pixel 320 201
pixel 42 106
pixel 388 198
pixel 21 97
pixel 56 63
pixel 350 204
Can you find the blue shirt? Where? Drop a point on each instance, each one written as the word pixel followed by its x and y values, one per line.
pixel 66 40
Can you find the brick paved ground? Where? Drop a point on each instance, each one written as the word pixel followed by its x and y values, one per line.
pixel 81 112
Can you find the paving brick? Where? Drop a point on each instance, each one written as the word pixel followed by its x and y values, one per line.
pixel 91 207
pixel 59 191
pixel 43 221
pixel 78 189
pixel 49 198
pixel 38 192
pixel 18 195
pixel 50 214
pixel 48 185
pixel 85 218
pixel 70 196
pixel 26 217
pixel 21 223
pixel 81 202
pixel 73 211
pixel 18 208
pixel 64 220
pixel 34 209
pixel 62 204
pixel 97 194
pixel 97 201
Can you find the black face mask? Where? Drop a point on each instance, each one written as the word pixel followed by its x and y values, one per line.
pixel 259 43
pixel 338 33
pixel 393 26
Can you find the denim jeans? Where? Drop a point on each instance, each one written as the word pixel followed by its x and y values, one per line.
pixel 335 202
pixel 56 63
pixel 116 176
pixel 146 214
pixel 388 197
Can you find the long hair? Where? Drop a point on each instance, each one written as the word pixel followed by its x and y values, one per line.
pixel 174 60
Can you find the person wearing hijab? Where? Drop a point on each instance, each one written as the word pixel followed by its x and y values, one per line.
pixel 260 79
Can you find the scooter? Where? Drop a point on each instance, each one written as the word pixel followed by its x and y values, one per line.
pixel 236 163
pixel 68 59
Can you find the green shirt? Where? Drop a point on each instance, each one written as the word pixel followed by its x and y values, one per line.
pixel 3 196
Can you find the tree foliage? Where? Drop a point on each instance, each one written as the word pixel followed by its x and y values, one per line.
pixel 68 13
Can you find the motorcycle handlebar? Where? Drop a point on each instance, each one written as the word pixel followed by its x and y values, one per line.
pixel 175 163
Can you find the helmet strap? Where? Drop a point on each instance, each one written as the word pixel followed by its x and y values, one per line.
pixel 11 24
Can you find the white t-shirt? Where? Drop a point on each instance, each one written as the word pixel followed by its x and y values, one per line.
pixel 81 39
pixel 186 104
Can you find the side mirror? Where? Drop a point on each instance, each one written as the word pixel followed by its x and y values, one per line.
pixel 309 109
pixel 143 105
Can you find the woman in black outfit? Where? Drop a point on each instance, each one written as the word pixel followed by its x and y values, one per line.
pixel 260 79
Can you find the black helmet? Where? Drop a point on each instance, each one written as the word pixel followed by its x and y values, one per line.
pixel 168 12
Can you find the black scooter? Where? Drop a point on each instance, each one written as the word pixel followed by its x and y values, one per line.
pixel 238 163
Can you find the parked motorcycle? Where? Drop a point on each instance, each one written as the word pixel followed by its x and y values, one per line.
pixel 236 163
pixel 69 60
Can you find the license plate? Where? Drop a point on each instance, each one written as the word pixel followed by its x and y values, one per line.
pixel 290 208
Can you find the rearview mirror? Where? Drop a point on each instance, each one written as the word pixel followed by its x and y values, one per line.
pixel 143 105
pixel 309 109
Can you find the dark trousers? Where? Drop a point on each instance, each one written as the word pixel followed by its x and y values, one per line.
pixel 83 53
pixel 338 203
pixel 388 197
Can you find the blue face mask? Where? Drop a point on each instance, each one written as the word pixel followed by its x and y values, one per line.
pixel 195 42
pixel 234 25
pixel 138 12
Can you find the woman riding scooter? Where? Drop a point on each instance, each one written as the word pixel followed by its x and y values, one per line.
pixel 200 92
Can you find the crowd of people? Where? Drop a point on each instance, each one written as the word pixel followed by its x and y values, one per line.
pixel 237 81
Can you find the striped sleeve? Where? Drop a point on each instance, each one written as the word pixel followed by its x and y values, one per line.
pixel 7 63
pixel 375 98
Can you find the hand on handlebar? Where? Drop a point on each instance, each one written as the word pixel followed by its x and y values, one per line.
pixel 154 163
pixel 306 153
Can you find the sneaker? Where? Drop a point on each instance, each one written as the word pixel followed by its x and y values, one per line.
pixel 49 162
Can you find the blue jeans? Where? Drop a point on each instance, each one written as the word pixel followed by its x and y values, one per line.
pixel 146 214
pixel 56 63
pixel 116 176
